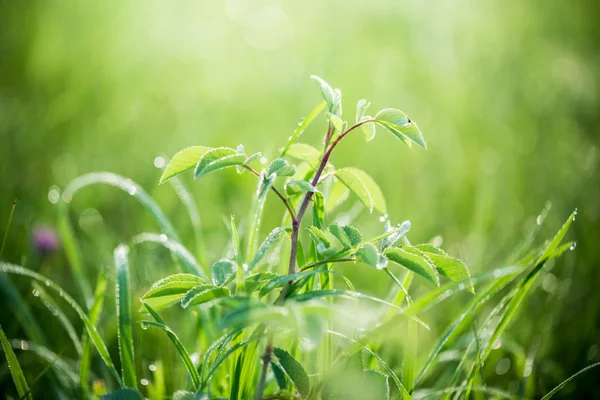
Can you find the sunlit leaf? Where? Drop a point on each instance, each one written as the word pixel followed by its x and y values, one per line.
pixel 266 245
pixel 399 232
pixel 218 158
pixel 340 234
pixel 281 167
pixel 413 262
pixel 185 159
pixel 222 270
pixel 361 108
pixel 202 294
pixel 401 126
pixel 450 267
pixel 364 187
pixel 293 370
pixel 295 186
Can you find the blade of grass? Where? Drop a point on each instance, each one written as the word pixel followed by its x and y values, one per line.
pixel 95 337
pixel 569 379
pixel 124 318
pixel 54 308
pixel 10 216
pixel 185 356
pixel 188 261
pixel 86 354
pixel 15 368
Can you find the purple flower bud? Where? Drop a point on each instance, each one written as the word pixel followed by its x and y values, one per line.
pixel 45 239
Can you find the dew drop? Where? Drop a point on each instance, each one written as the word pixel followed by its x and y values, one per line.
pixel 144 325
pixel 144 382
pixel 132 190
pixel 36 292
pixel 263 160
pixel 573 246
pixel 152 367
pixel 503 366
pixel 53 195
pixel 539 219
pixel 159 162
pixel 163 238
pixel 497 344
pixel 24 345
pixel 47 283
pixel 67 197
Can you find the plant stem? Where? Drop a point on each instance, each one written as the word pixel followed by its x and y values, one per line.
pixel 296 221
pixel 277 192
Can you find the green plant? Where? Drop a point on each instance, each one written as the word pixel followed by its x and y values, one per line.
pixel 296 333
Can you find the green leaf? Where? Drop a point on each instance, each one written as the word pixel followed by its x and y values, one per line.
pixel 318 209
pixel 222 270
pixel 450 267
pixel 256 281
pixel 399 232
pixel 336 122
pixel 414 262
pixel 171 290
pixel 294 370
pixel 364 187
pixel 340 234
pixel 318 236
pixel 301 151
pixel 353 234
pixel 326 90
pixel 401 126
pixel 361 108
pixel 281 167
pixel 218 158
pixel 185 159
pixel 125 330
pixel 264 185
pixel 369 129
pixel 202 294
pixel 337 194
pixel 569 379
pixel 296 186
pixel 123 394
pixel 270 240
pixel 183 353
pixel 369 254
pixel 15 368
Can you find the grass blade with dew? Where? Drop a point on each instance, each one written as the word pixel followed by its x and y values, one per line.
pixel 64 371
pixel 91 329
pixel 217 363
pixel 217 345
pixel 569 379
pixel 128 186
pixel 55 309
pixel 86 355
pixel 124 318
pixel 15 368
pixel 185 356
pixel 10 216
pixel 188 200
pixel 188 262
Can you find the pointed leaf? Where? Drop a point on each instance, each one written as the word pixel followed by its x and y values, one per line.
pixel 295 186
pixel 326 91
pixel 281 167
pixel 222 270
pixel 340 234
pixel 413 262
pixel 219 158
pixel 15 368
pixel 336 122
pixel 300 151
pixel 364 187
pixel 368 254
pixel 271 239
pixel 361 108
pixel 450 267
pixel 294 371
pixel 171 290
pixel 185 159
pixel 202 294
pixel 400 231
pixel 369 129
pixel 353 234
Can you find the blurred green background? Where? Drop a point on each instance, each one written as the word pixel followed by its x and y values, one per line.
pixel 506 94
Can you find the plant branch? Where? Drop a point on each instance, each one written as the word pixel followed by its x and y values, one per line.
pixel 316 264
pixel 277 192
